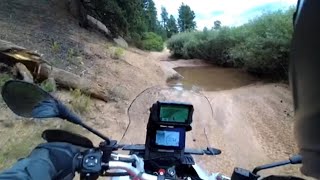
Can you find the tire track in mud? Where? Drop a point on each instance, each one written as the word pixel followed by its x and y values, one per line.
pixel 250 127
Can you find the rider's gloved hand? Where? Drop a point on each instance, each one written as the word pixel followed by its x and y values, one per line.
pixel 62 156
pixel 48 161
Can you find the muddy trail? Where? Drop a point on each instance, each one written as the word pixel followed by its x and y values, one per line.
pixel 252 121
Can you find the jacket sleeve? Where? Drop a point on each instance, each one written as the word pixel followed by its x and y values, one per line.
pixel 36 166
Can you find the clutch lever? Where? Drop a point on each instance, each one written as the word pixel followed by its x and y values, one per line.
pixel 58 135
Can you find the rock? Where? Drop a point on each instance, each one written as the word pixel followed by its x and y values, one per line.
pixel 99 25
pixel 121 42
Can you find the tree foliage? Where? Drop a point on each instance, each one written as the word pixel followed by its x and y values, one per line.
pixel 217 25
pixel 172 27
pixel 130 19
pixel 152 42
pixel 133 13
pixel 110 14
pixel 186 18
pixel 261 46
pixel 150 14
pixel 164 16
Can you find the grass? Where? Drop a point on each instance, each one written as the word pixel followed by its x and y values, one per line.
pixel 107 46
pixel 24 135
pixel 71 53
pixel 74 57
pixel 55 47
pixel 117 53
pixel 80 102
pixel 118 93
pixel 4 78
pixel 18 140
pixel 49 85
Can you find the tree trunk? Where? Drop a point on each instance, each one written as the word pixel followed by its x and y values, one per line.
pixel 69 80
pixel 27 61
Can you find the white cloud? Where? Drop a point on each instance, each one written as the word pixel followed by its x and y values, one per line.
pixel 229 12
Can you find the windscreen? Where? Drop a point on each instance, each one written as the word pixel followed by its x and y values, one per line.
pixel 139 112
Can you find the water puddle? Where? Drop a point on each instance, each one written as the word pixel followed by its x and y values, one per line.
pixel 211 78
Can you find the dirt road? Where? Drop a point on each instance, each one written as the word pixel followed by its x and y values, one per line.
pixel 252 125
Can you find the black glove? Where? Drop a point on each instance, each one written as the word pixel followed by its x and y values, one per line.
pixel 63 157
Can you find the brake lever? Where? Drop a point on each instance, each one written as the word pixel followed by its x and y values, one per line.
pixel 212 151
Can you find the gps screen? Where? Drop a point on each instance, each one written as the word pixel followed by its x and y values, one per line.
pixel 170 113
pixel 167 138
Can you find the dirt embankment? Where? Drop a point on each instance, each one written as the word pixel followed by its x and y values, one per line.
pixel 48 28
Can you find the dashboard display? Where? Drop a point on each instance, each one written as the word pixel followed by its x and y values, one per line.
pixel 169 113
pixel 167 138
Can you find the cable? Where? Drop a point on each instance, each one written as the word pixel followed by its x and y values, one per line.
pixel 130 108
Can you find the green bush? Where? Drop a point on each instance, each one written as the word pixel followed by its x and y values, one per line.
pixel 80 102
pixel 260 46
pixel 152 42
pixel 266 46
pixel 117 53
pixel 49 85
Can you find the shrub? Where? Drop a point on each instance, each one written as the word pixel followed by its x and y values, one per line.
pixel 49 85
pixel 152 42
pixel 117 53
pixel 266 47
pixel 118 93
pixel 177 42
pixel 80 102
pixel 260 46
pixel 55 47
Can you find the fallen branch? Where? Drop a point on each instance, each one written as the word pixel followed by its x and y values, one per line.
pixel 24 72
pixel 26 61
pixel 69 80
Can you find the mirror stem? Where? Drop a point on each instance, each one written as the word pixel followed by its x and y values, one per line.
pixel 107 140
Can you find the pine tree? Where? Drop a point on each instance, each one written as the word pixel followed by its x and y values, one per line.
pixel 150 14
pixel 217 25
pixel 186 18
pixel 172 26
pixel 133 12
pixel 164 17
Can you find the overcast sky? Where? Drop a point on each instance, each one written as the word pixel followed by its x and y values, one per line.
pixel 229 12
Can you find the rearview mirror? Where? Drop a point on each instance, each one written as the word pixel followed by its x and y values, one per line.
pixel 29 100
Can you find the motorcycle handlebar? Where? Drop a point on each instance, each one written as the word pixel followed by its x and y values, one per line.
pixel 92 165
pixel 132 171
